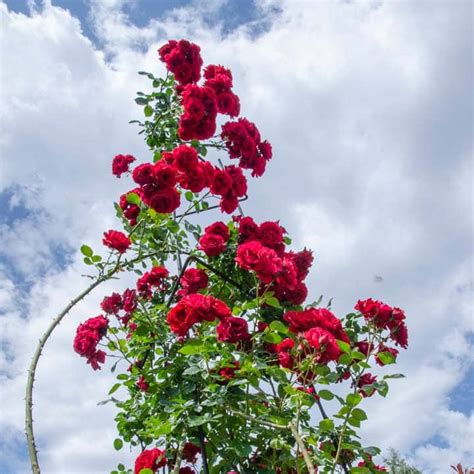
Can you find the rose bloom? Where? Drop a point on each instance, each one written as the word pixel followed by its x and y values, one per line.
pixel 150 459
pixel 112 304
pixel 190 452
pixel 232 329
pixel 271 233
pixel 121 163
pixel 165 201
pixel 324 343
pixel 116 240
pixel 366 379
pixel 212 244
pixel 129 298
pixel 193 280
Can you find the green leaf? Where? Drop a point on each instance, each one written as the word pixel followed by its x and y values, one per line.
pixel 148 110
pixel 394 376
pixel 141 101
pixel 189 196
pixel 118 444
pixel 190 349
pixel 326 394
pixel 354 422
pixel 278 326
pixel 88 261
pixel 272 301
pixel 87 251
pixel 96 258
pixel 272 337
pixel 359 414
pixel 386 358
pixel 194 369
pixel 114 388
pixel 146 471
pixel 344 346
pixel 353 399
pixel 326 425
pixel 345 359
pixel 133 198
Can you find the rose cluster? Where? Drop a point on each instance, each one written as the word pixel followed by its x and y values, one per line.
pixel 243 141
pixel 262 250
pixel 197 308
pixel 384 316
pixel 115 303
pixel 88 335
pixel 201 104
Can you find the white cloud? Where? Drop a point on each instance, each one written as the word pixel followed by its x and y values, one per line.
pixel 367 106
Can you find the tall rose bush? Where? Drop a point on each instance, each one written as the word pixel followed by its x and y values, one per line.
pixel 222 366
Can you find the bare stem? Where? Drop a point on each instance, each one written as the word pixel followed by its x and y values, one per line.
pixel 300 443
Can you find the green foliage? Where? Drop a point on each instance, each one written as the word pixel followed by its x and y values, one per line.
pixel 396 464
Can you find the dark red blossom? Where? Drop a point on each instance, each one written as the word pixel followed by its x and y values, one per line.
pixel 190 452
pixel 232 329
pixel 116 240
pixel 121 164
pixel 364 380
pixel 129 299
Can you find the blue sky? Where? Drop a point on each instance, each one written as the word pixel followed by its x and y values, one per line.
pixel 368 106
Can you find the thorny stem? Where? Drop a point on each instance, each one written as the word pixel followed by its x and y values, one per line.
pixel 30 438
pixel 202 443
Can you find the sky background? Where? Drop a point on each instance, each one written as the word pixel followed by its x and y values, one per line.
pixel 368 105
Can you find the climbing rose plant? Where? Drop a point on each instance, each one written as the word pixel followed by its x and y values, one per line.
pixel 222 365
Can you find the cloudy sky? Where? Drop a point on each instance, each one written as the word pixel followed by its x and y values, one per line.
pixel 368 105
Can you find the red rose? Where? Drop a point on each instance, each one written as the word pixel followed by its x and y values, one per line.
pixel 150 459
pixel 190 452
pixel 116 240
pixel 212 244
pixel 229 372
pixel 164 201
pixel 142 384
pixel 248 230
pixel 85 342
pixel 303 261
pixel 96 359
pixel 121 164
pixel 143 174
pixel 295 296
pixel 218 228
pixel 185 157
pixel 221 183
pixel 254 256
pixel 112 304
pixel 271 234
pixel 286 345
pixel 181 318
pixel 164 175
pixel 193 280
pixel 366 379
pixel 382 349
pixel 287 278
pixel 229 204
pixel 183 59
pixel 324 343
pixel 377 312
pixel 129 299
pixel 232 329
